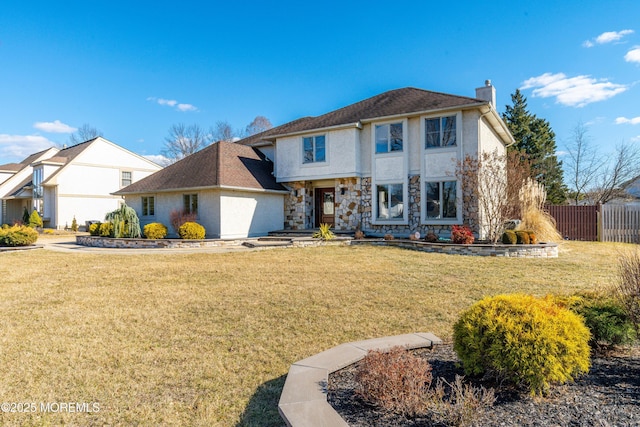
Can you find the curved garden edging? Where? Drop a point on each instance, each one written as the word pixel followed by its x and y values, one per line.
pixel 303 401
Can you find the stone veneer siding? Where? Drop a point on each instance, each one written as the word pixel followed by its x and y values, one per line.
pixel 354 209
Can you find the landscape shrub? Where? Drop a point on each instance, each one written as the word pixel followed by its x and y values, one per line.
pixel 431 237
pixel 74 225
pixel 389 236
pixel 18 235
pixel 509 237
pixel 106 229
pixel 94 229
pixel 533 239
pixel 179 217
pixel 522 339
pixel 396 380
pixel 461 405
pixel 191 230
pixel 522 237
pixel 324 232
pixel 35 220
pixel 605 317
pixel 155 230
pixel 462 235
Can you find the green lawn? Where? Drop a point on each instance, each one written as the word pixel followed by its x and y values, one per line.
pixel 207 339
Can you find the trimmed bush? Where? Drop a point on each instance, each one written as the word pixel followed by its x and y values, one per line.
pixel 462 235
pixel 532 238
pixel 106 229
pixel 431 237
pixel 522 237
pixel 35 220
pixel 395 380
pixel 509 237
pixel 528 341
pixel 94 229
pixel 18 235
pixel 155 230
pixel 605 317
pixel 191 230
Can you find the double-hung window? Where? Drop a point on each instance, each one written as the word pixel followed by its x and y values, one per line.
pixel 190 203
pixel 314 149
pixel 125 178
pixel 440 132
pixel 441 200
pixel 388 137
pixel 390 202
pixel 148 206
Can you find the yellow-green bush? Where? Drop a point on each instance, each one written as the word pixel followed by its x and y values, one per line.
pixel 18 235
pixel 106 229
pixel 523 237
pixel 526 340
pixel 155 230
pixel 191 230
pixel 35 220
pixel 94 229
pixel 509 237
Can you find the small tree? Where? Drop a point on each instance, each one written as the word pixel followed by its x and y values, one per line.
pixel 179 217
pixel 125 222
pixel 74 225
pixel 35 220
pixel 25 216
pixel 484 179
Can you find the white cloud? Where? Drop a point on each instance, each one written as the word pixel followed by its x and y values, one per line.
pixel 624 120
pixel 19 147
pixel 635 139
pixel 572 91
pixel 173 103
pixel 633 55
pixel 607 37
pixel 186 107
pixel 54 127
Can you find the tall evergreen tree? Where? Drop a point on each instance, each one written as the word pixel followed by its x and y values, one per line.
pixel 535 137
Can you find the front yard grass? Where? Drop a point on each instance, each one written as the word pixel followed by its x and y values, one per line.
pixel 207 339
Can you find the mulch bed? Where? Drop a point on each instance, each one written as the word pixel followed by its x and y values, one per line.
pixel 608 396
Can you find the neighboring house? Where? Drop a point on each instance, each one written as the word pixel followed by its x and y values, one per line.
pixel 75 182
pixel 386 164
pixel 229 187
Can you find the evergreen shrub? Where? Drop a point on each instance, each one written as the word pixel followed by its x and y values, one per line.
pixel 155 230
pixel 94 229
pixel 522 237
pixel 532 238
pixel 35 220
pixel 509 237
pixel 525 340
pixel 18 235
pixel 106 229
pixel 191 230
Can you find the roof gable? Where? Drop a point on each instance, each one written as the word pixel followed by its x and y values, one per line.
pixel 222 164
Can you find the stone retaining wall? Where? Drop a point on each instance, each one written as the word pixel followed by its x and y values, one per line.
pixel 542 250
pixel 107 242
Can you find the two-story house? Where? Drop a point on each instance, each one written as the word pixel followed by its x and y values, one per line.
pixel 386 164
pixel 74 182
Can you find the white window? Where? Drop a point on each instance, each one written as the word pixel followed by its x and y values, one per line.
pixel 314 149
pixel 148 206
pixel 440 132
pixel 390 202
pixel 441 200
pixel 126 178
pixel 388 137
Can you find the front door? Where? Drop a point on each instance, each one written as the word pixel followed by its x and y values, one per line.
pixel 325 206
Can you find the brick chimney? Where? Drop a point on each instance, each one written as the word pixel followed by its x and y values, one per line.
pixel 487 93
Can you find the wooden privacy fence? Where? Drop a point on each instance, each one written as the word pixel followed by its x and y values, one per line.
pixel 606 223
pixel 576 222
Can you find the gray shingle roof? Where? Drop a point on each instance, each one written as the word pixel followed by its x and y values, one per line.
pixel 223 164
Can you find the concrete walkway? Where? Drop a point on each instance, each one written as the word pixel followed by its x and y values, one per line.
pixel 303 401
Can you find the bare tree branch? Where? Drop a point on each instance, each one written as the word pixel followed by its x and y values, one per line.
pixel 84 133
pixel 183 141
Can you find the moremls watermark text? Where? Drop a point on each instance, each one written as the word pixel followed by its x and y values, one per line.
pixel 55 407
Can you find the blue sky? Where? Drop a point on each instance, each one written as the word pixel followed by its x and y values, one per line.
pixel 132 69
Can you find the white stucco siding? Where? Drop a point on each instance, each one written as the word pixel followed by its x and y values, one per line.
pixel 365 150
pixel 249 214
pixel 413 143
pixel 389 168
pixel 341 156
pixel 88 180
pixel 490 142
pixel 470 145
